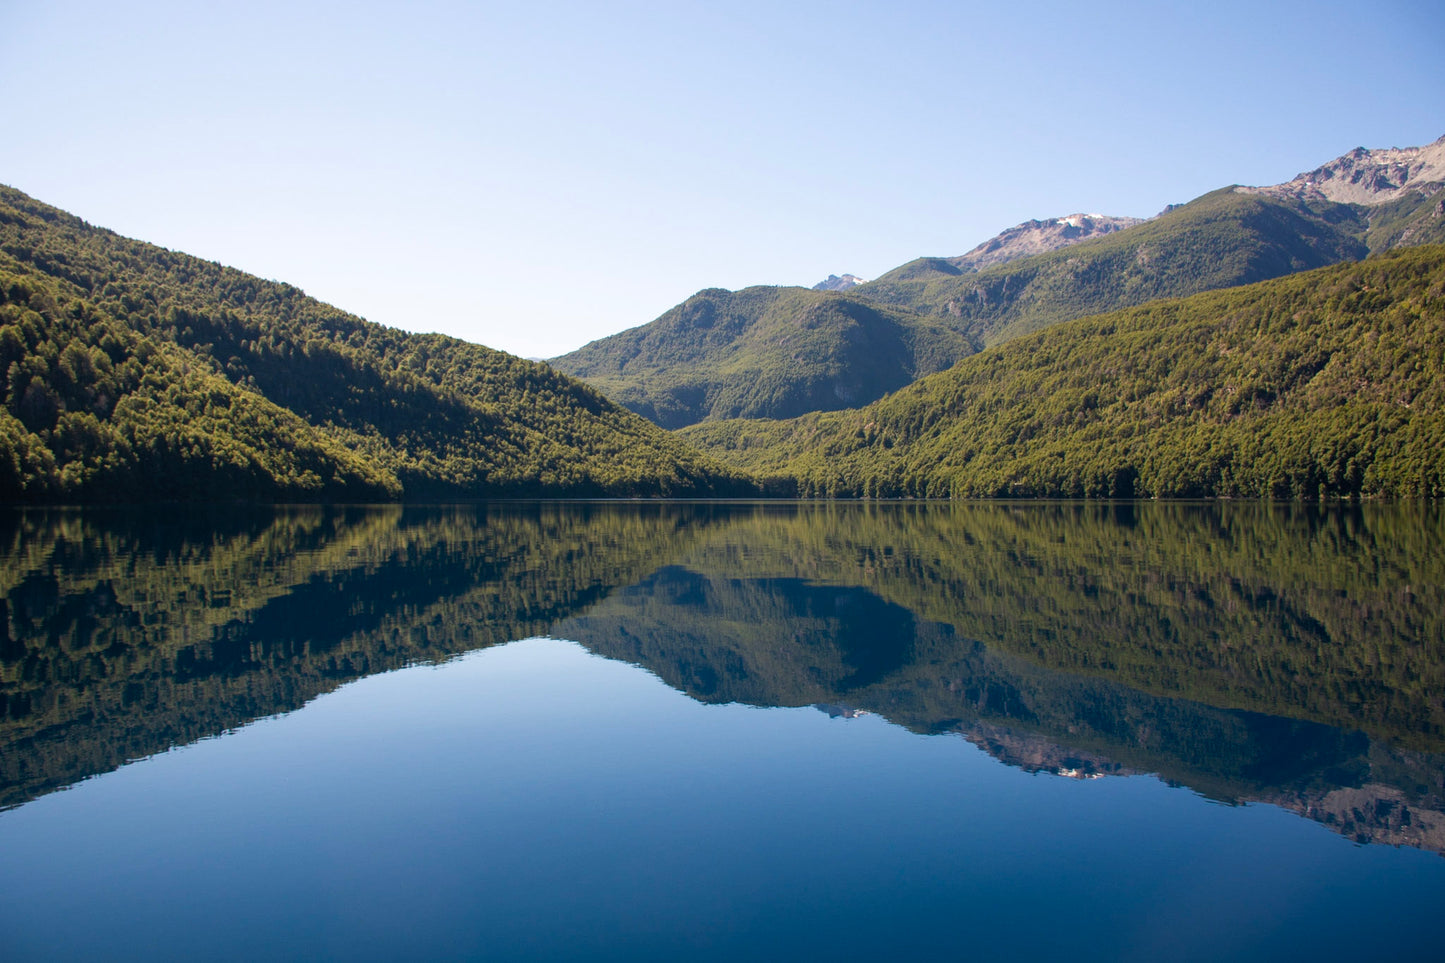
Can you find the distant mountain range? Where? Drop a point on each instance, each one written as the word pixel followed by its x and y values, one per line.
pixel 137 373
pixel 1319 385
pixel 1030 276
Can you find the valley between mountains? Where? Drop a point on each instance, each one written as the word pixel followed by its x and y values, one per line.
pixel 1285 341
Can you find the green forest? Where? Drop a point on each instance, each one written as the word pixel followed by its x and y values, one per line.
pixel 764 352
pixel 1325 384
pixel 133 373
pixel 136 373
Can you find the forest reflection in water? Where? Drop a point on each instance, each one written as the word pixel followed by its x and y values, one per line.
pixel 1287 654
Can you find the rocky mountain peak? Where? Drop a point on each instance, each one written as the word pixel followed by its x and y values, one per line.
pixel 834 282
pixel 1036 237
pixel 1366 176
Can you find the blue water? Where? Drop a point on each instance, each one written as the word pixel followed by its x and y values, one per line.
pixel 707 732
pixel 534 801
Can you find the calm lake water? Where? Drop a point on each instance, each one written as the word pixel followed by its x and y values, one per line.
pixel 713 731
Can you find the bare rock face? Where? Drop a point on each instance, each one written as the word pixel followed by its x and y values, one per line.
pixel 1372 814
pixel 1036 753
pixel 1036 237
pixel 1366 176
pixel 836 283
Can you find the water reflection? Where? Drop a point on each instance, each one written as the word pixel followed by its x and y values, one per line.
pixel 1250 652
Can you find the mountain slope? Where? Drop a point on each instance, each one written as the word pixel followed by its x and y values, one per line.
pixel 1220 240
pixel 95 410
pixel 1368 177
pixel 763 352
pixel 1363 202
pixel 1028 277
pixel 360 408
pixel 1323 384
pixel 1039 237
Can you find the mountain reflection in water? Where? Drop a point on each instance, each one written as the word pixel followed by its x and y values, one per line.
pixel 1281 654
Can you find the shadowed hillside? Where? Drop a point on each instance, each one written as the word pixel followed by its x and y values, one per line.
pixel 135 372
pixel 764 352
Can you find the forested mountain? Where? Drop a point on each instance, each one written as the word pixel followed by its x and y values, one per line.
pixel 1364 202
pixel 1323 384
pixel 1220 240
pixel 1028 277
pixel 133 372
pixel 764 352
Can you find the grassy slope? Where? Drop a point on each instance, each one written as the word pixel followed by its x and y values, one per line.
pixel 764 352
pixel 1321 384
pixel 437 416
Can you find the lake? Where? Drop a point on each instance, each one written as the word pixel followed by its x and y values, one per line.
pixel 646 731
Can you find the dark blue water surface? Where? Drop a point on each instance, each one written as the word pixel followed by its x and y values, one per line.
pixel 712 731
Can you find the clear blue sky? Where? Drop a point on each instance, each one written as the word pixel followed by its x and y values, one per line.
pixel 533 176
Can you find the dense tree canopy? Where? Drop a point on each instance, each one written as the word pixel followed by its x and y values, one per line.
pixel 133 371
pixel 1324 384
pixel 774 352
pixel 764 352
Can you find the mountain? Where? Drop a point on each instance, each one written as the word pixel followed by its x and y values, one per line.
pixel 137 373
pixel 1223 239
pixel 1037 237
pixel 1034 275
pixel 1399 191
pixel 764 352
pixel 1368 177
pixel 1318 385
pixel 835 283
pixel 1362 203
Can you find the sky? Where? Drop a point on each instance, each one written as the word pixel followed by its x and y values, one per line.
pixel 533 176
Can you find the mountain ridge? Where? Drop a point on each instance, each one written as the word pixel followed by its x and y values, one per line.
pixel 763 351
pixel 138 373
pixel 1040 236
pixel 834 282
pixel 1044 272
pixel 1365 176
pixel 1326 384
